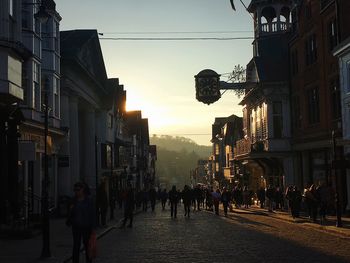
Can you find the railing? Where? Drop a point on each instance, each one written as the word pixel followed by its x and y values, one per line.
pixel 273 27
pixel 243 147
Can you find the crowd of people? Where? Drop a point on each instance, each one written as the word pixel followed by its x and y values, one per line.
pixel 316 200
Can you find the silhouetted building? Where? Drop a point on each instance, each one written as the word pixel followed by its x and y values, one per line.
pixel 265 150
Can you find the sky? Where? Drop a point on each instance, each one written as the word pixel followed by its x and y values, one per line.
pixel 159 75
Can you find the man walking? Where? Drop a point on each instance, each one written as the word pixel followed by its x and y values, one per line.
pixel 173 199
pixel 186 198
pixel 129 205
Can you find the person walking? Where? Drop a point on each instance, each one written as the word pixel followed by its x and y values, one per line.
pixel 314 201
pixel 261 197
pixel 163 198
pixel 187 198
pixel 225 199
pixel 246 197
pixel 324 197
pixel 82 219
pixel 153 198
pixel 270 194
pixel 173 199
pixel 102 203
pixel 279 200
pixel 216 200
pixel 129 206
pixel 145 198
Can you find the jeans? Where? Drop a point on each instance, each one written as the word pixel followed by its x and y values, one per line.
pixel 173 207
pixel 80 233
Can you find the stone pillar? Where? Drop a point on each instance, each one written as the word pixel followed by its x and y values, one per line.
pixel 88 164
pixel 74 158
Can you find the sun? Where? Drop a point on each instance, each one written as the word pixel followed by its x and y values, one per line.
pixel 158 115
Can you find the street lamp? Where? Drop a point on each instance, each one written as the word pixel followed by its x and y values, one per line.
pixel 45 183
pixel 335 167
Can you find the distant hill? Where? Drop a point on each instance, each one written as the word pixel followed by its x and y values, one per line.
pixel 181 143
pixel 177 156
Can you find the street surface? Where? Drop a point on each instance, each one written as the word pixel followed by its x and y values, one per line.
pixel 206 237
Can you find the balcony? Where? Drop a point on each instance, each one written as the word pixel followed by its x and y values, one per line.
pixel 243 147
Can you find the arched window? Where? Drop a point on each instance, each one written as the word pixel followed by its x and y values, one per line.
pixel 285 18
pixel 269 13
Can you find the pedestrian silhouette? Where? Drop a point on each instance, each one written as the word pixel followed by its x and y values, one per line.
pixel 186 198
pixel 173 199
pixel 129 205
pixel 82 219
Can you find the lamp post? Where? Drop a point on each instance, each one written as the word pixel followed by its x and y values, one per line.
pixel 335 167
pixel 45 183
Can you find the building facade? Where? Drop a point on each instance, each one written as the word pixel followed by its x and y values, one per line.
pixel 265 150
pixel 225 133
pixel 30 48
pixel 342 51
pixel 318 26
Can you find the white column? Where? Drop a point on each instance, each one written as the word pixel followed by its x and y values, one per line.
pixel 64 182
pixel 88 164
pixel 74 158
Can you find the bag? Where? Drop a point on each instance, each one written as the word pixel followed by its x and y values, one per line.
pixel 92 249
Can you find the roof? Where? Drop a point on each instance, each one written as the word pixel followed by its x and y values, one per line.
pixel 83 48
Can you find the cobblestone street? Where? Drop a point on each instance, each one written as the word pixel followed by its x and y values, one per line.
pixel 205 237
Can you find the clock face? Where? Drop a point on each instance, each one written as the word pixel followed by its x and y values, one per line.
pixel 208 86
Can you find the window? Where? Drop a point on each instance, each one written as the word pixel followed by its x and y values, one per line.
pixel 37 26
pixel 332 35
pixel 313 105
pixel 110 121
pixel 308 10
pixel 347 88
pixel 217 149
pixel 56 98
pixel 310 50
pixel 56 36
pixel 324 3
pixel 294 20
pixel 277 119
pixel 46 39
pixel 294 61
pixel 25 19
pixel 106 158
pixel 25 84
pixel 296 112
pixel 36 86
pixel 11 7
pixel 335 97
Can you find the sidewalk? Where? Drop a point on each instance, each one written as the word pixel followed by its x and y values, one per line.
pixel 29 250
pixel 329 225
